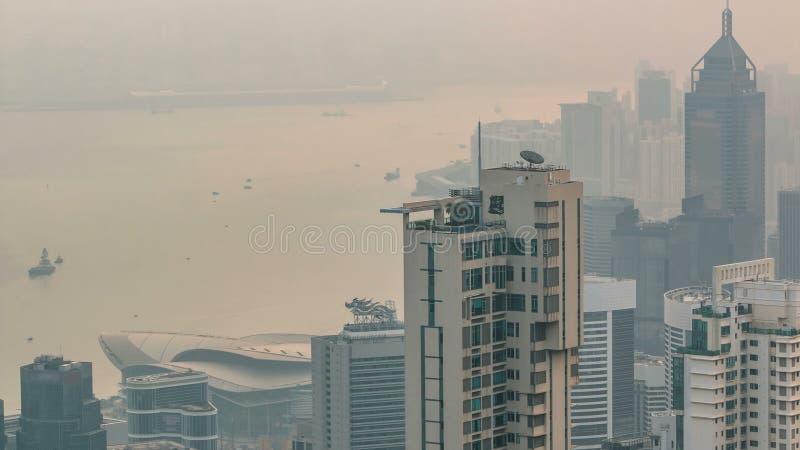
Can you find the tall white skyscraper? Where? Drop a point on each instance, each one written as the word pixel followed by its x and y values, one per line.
pixel 734 384
pixel 358 383
pixel 602 403
pixel 678 306
pixel 493 312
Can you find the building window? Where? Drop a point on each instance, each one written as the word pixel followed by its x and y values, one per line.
pixel 538 377
pixel 499 246
pixel 534 247
pixel 498 331
pixel 551 303
pixel 516 247
pixel 479 306
pixel 471 279
pixel 516 302
pixel 476 404
pixel 475 361
pixel 551 277
pixel 498 303
pixel 534 275
pixel 550 247
pixel 534 303
pixel 538 332
pixel 499 276
pixel 475 335
pixel 472 250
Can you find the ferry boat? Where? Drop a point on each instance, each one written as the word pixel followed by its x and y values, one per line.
pixel 44 268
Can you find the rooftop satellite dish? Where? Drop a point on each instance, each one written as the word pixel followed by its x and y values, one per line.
pixel 531 156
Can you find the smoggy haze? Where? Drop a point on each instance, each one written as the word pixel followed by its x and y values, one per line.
pixel 88 48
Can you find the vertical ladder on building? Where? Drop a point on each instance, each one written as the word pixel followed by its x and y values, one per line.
pixel 432 365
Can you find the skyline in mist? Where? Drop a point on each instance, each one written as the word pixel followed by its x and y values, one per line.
pixel 90 49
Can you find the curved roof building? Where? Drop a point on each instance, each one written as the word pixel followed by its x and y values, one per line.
pixel 260 384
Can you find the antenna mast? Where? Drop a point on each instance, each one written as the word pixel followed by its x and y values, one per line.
pixel 480 167
pixel 479 155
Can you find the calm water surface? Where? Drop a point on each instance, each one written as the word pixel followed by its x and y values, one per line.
pixel 126 198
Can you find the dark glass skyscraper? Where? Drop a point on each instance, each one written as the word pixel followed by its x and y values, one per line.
pixel 600 220
pixel 725 140
pixel 654 102
pixel 59 410
pixel 789 234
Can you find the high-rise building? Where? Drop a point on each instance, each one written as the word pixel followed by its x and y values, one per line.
pixel 358 382
pixel 725 140
pixel 600 220
pixel 789 234
pixel 641 252
pixel 582 144
pixel 734 384
pixel 678 306
pixel 660 181
pixel 494 312
pixel 59 409
pixel 172 406
pixel 619 163
pixel 667 255
pixel 783 176
pixel 782 90
pixel 602 403
pixel 654 96
pixel 649 392
pixel 3 439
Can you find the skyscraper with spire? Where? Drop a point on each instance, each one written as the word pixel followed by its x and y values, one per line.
pixel 725 141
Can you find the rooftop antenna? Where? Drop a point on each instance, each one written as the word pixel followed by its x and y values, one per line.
pixel 480 166
pixel 727 19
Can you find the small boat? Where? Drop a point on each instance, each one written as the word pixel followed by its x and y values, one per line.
pixel 247 187
pixel 59 260
pixel 391 176
pixel 44 268
pixel 339 113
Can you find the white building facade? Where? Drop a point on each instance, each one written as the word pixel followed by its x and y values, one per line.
pixel 650 392
pixel 602 403
pixel 493 313
pixel 735 384
pixel 678 306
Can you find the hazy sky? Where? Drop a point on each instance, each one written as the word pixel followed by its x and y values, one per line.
pixel 97 47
